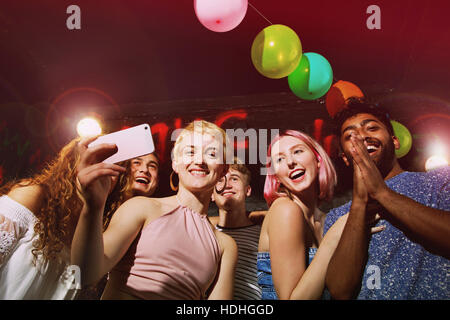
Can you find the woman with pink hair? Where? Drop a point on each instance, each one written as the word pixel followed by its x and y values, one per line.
pixel 300 176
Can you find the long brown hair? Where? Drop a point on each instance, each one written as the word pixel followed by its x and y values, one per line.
pixel 122 191
pixel 59 202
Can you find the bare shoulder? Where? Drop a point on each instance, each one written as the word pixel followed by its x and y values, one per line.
pixel 226 242
pixel 31 196
pixel 285 216
pixel 142 202
pixel 145 206
pixel 151 208
pixel 284 207
pixel 135 209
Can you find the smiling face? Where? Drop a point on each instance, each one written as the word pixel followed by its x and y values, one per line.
pixel 144 174
pixel 235 192
pixel 379 143
pixel 198 161
pixel 295 164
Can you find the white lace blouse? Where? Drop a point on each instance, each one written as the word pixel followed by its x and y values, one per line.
pixel 19 277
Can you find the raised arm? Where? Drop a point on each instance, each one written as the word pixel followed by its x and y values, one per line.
pixel 344 274
pixel 89 251
pixel 96 253
pixel 427 226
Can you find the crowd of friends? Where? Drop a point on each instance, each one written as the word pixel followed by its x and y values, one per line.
pixel 390 241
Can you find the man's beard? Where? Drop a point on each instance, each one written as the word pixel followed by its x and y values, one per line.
pixel 385 160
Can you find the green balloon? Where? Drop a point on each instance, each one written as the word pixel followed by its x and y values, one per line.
pixel 404 137
pixel 312 78
pixel 276 51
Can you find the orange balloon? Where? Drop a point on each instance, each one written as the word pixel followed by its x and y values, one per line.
pixel 337 96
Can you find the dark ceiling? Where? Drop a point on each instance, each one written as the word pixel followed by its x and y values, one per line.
pixel 145 51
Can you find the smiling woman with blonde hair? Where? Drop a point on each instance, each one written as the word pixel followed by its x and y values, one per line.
pixel 159 248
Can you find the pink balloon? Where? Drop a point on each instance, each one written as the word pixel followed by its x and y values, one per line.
pixel 220 15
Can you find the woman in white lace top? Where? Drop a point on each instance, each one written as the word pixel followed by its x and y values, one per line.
pixel 38 217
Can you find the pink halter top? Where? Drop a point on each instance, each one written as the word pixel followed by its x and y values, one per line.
pixel 176 256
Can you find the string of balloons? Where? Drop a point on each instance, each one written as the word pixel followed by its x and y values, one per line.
pixel 277 53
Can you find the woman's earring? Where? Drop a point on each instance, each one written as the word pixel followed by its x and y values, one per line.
pixel 172 186
pixel 224 186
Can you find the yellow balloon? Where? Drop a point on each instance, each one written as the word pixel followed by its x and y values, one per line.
pixel 276 51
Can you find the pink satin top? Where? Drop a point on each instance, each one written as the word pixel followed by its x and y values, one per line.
pixel 176 256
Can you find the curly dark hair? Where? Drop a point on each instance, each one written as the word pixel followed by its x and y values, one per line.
pixel 356 106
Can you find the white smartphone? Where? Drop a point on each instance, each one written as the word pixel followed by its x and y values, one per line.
pixel 131 143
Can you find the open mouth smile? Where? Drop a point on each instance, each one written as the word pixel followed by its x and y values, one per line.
pixel 142 180
pixel 297 174
pixel 199 172
pixel 227 193
pixel 372 146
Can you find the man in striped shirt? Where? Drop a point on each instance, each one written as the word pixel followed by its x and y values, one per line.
pixel 235 221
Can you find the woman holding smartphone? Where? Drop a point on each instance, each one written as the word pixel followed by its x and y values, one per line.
pixel 162 248
pixel 141 178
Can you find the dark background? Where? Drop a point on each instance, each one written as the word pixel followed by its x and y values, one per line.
pixel 152 61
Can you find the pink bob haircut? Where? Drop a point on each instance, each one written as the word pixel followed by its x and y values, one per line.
pixel 327 173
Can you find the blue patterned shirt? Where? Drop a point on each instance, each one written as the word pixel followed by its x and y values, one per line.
pixel 398 268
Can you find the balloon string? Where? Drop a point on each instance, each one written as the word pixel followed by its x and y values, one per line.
pixel 259 13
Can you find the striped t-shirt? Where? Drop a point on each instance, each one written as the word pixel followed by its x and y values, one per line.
pixel 246 281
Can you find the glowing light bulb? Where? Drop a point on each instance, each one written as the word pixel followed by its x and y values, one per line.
pixel 436 161
pixel 88 127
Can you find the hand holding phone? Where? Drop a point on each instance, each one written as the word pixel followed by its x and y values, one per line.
pixel 93 181
pixel 131 143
